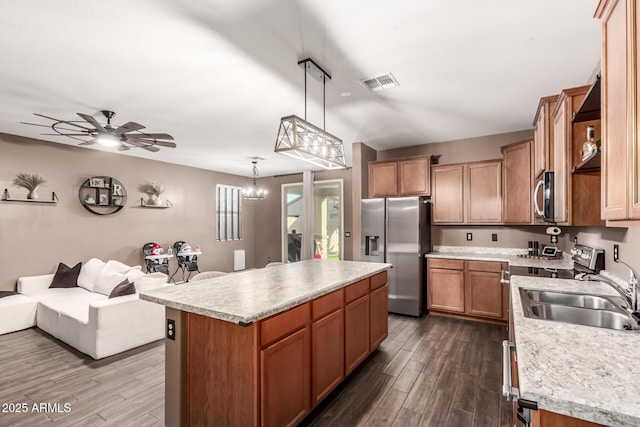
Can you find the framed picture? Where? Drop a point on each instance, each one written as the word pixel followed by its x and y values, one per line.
pixel 104 200
pixel 96 182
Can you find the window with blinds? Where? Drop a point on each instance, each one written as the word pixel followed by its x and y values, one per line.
pixel 228 212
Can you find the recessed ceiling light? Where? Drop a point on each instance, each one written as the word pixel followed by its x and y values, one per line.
pixel 346 94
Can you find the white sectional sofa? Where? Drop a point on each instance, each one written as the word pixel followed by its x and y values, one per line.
pixel 92 322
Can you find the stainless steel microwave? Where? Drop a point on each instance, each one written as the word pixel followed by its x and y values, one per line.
pixel 546 198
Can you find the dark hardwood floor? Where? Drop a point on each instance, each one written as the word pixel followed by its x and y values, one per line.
pixel 429 372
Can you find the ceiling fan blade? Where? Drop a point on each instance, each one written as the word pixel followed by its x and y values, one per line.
pixel 92 121
pixel 90 142
pixel 165 144
pixel 151 148
pixel 128 127
pixel 152 136
pixel 65 134
pixel 63 121
pixel 122 147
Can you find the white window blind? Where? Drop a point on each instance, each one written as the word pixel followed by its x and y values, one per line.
pixel 228 212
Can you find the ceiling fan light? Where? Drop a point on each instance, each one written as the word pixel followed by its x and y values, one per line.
pixel 107 140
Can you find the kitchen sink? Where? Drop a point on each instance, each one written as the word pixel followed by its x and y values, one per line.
pixel 580 309
pixel 575 299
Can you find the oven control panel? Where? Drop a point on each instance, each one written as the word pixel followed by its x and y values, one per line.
pixel 591 258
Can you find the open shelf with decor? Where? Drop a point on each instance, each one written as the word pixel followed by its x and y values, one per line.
pixel 102 195
pixel 591 163
pixel 7 198
pixel 165 205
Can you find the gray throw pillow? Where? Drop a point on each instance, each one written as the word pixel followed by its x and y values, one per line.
pixel 66 277
pixel 123 288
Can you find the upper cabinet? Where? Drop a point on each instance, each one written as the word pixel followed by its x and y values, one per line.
pixel 543 135
pixel 517 175
pixel 409 176
pixel 467 193
pixel 576 196
pixel 620 112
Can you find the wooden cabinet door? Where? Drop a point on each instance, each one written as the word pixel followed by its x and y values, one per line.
pixel 484 192
pixel 356 332
pixel 383 179
pixel 285 380
pixel 446 290
pixel 560 168
pixel 518 188
pixel 543 136
pixel 327 354
pixel 615 110
pixel 447 194
pixel 415 176
pixel 483 294
pixel 379 312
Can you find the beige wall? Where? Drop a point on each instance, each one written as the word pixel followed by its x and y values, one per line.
pixel 508 236
pixel 461 150
pixel 268 219
pixel 34 237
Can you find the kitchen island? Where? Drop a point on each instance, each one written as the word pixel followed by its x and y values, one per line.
pixel 263 347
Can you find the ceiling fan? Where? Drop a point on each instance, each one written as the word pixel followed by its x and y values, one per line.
pixel 121 137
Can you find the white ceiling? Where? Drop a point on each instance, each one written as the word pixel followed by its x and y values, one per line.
pixel 219 74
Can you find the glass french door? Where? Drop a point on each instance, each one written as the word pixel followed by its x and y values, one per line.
pixel 326 215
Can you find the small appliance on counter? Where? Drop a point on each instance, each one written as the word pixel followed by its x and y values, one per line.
pixel 585 260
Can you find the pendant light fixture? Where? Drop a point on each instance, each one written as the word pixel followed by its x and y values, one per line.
pixel 252 191
pixel 302 140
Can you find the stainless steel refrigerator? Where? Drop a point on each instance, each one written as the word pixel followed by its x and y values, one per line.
pixel 397 231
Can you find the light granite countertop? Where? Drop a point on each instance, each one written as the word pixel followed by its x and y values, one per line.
pixel 253 295
pixel 500 255
pixel 584 372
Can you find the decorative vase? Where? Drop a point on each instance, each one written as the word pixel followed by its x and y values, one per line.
pixel 158 201
pixel 32 194
pixel 155 200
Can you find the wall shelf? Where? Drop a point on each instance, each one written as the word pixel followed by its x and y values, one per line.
pixel 167 204
pixel 590 107
pixel 590 164
pixel 7 198
pixel 102 195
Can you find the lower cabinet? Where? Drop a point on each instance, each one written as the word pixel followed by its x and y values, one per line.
pixel 378 312
pixel 467 288
pixel 356 326
pixel 445 287
pixel 285 367
pixel 327 345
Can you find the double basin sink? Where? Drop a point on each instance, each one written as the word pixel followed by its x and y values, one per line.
pixel 580 309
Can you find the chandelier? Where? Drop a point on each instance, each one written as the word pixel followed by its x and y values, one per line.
pixel 302 140
pixel 252 191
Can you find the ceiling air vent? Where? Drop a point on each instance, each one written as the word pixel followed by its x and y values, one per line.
pixel 384 81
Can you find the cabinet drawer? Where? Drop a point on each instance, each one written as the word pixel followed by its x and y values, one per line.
pixel 355 291
pixel 450 264
pixel 280 325
pixel 326 304
pixel 378 280
pixel 491 266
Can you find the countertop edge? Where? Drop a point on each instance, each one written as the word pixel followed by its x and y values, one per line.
pixel 247 320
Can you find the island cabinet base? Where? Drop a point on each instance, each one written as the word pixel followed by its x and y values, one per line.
pixel 276 370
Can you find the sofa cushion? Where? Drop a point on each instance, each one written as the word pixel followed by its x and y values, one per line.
pixel 113 273
pixel 150 281
pixel 123 288
pixel 71 301
pixel 89 273
pixel 66 277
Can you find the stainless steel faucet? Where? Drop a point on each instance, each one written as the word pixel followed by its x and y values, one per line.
pixel 633 284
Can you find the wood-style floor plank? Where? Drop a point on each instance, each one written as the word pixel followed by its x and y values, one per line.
pixel 433 371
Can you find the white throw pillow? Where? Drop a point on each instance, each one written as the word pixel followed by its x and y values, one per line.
pixel 113 273
pixel 89 273
pixel 150 281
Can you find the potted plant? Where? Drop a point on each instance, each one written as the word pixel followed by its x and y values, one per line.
pixel 154 191
pixel 31 182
